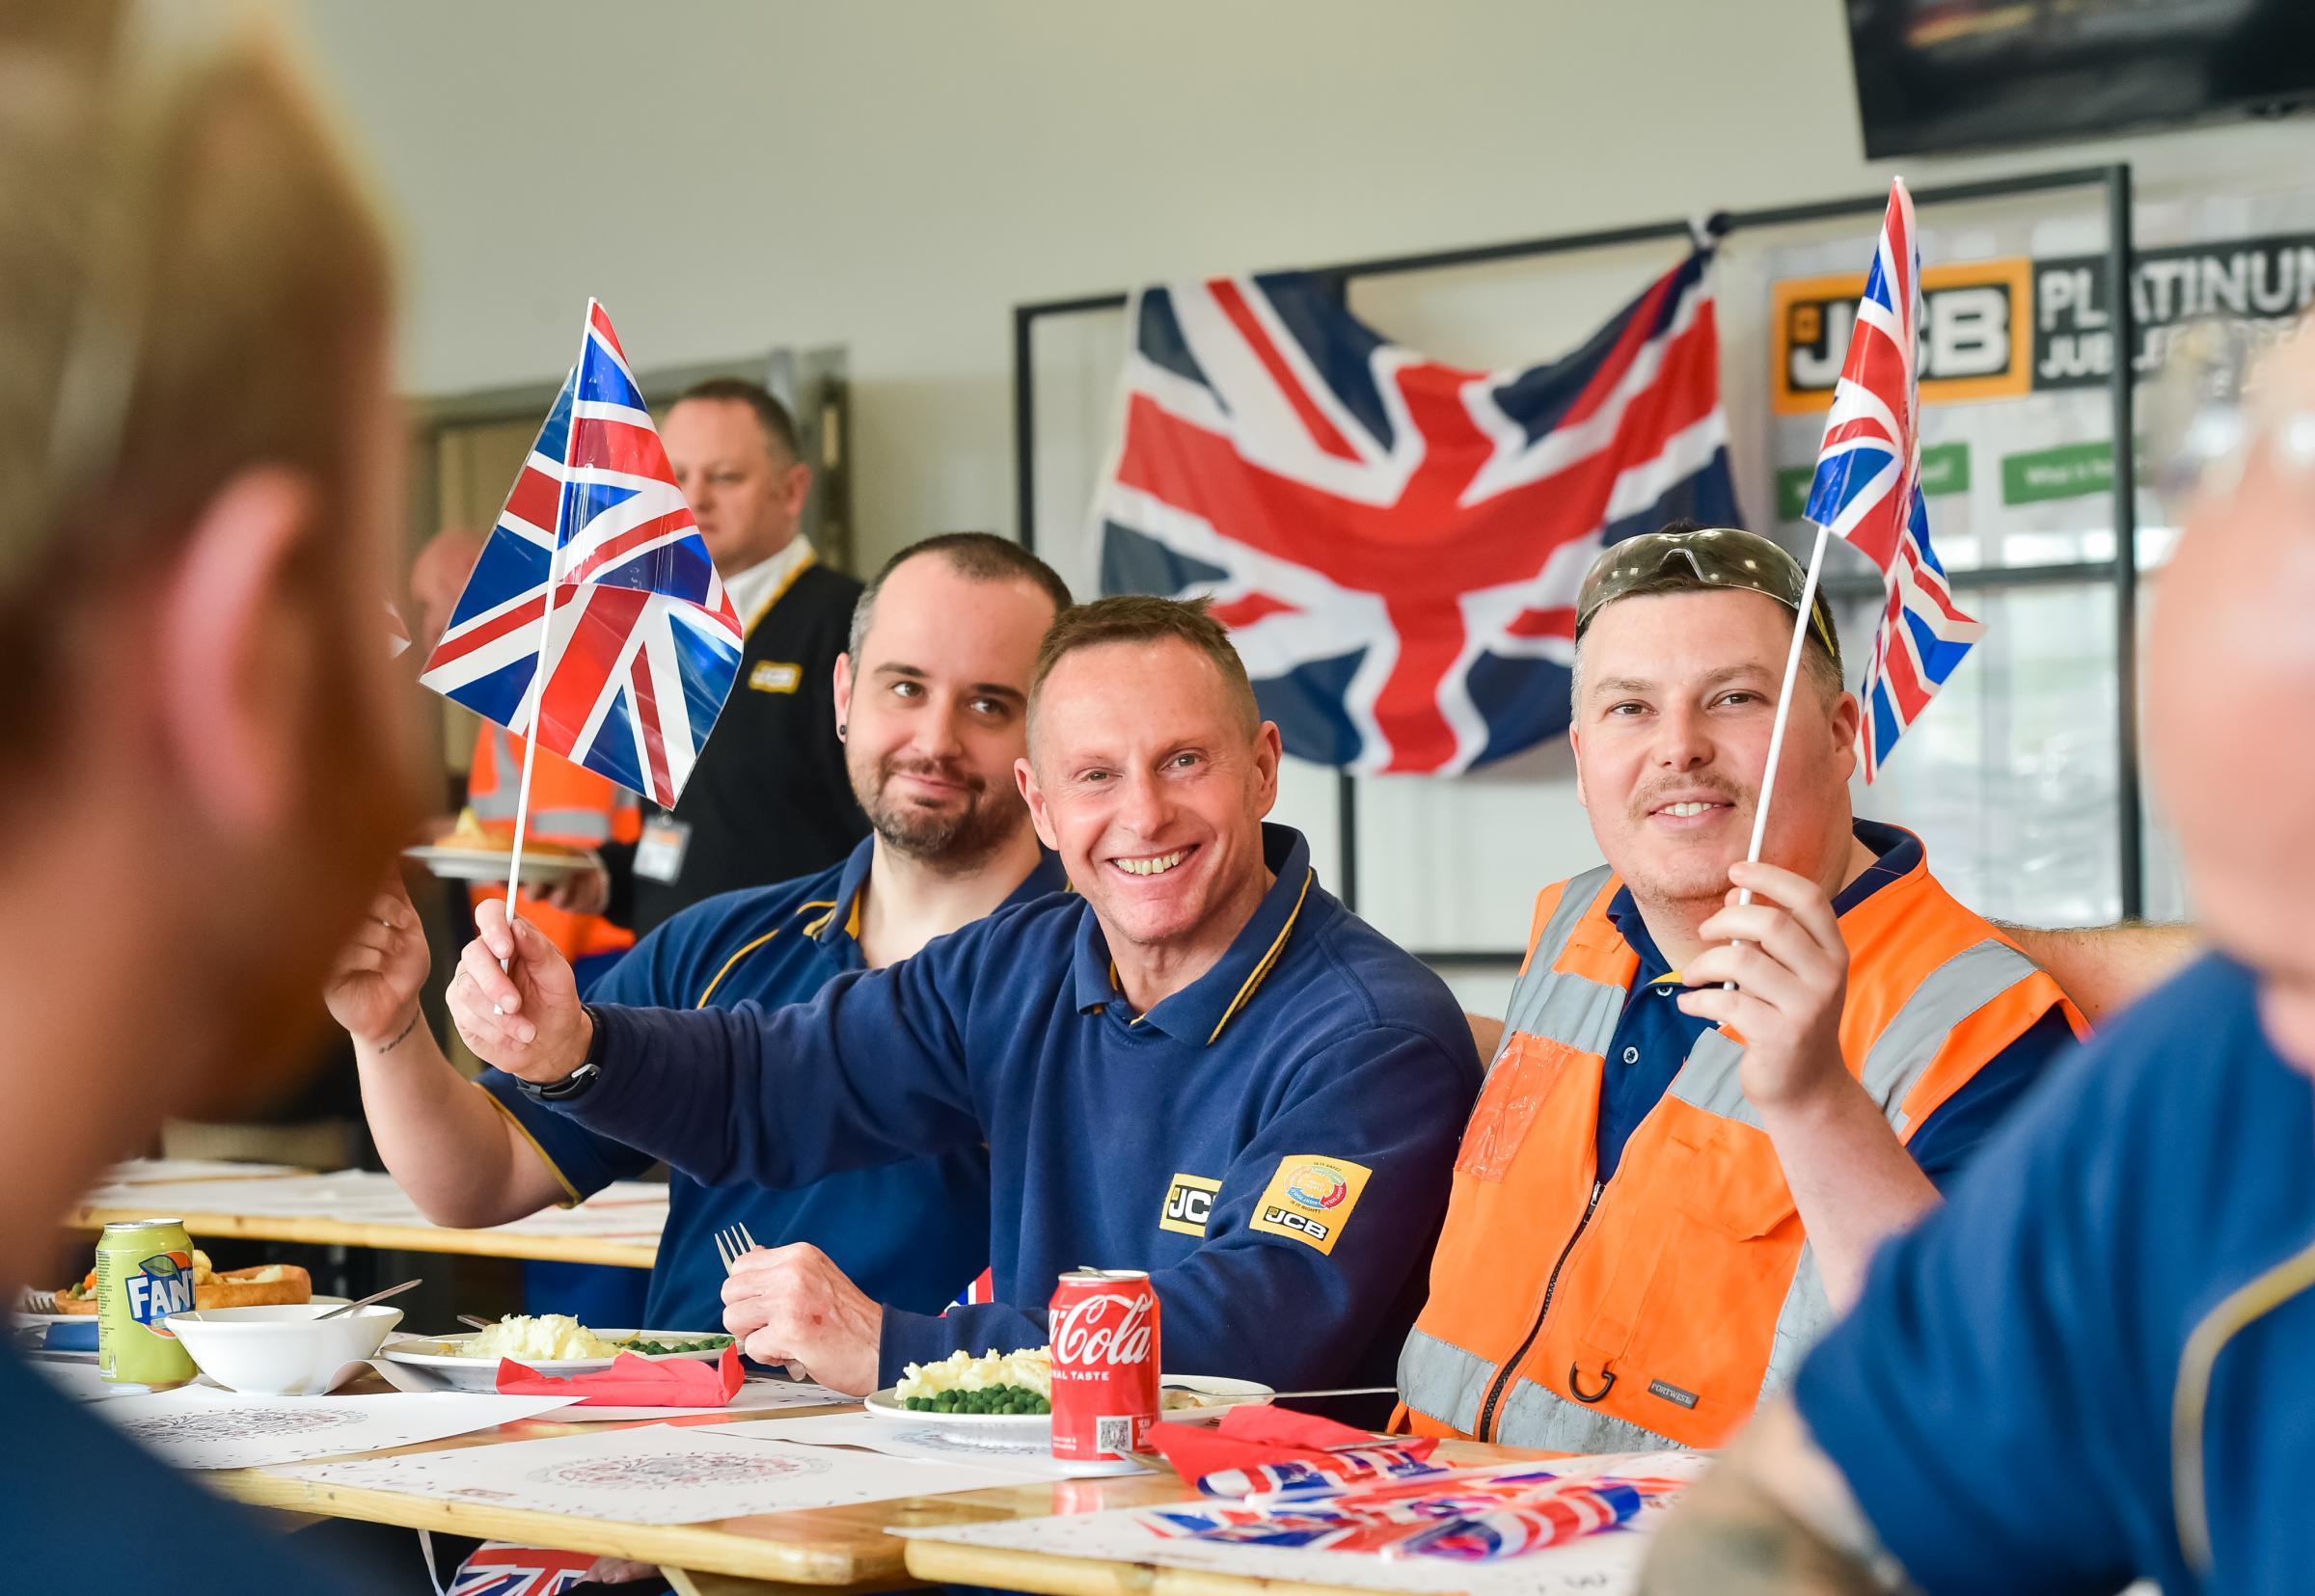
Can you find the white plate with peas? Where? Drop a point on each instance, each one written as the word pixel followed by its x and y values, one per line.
pixel 1008 1416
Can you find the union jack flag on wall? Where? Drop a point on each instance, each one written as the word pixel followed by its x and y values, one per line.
pixel 1868 488
pixel 644 642
pixel 1395 543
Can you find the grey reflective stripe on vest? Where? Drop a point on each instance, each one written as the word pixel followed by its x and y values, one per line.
pixel 1801 1323
pixel 1895 1062
pixel 1953 991
pixel 571 824
pixel 499 802
pixel 1561 1008
pixel 1441 1381
pixel 1536 1416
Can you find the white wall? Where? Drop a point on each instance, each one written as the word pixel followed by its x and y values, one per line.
pixel 730 174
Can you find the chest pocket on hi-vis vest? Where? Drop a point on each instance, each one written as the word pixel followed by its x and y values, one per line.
pixel 1516 1088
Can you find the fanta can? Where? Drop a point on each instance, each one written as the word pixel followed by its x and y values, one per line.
pixel 1105 1363
pixel 144 1274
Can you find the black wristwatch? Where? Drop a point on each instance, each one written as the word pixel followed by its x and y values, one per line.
pixel 579 1080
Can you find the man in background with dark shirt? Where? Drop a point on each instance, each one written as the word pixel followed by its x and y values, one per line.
pixel 200 455
pixel 769 799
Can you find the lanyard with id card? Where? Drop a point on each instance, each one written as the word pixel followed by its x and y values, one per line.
pixel 658 853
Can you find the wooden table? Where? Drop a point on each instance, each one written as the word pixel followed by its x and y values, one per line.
pixel 846 1547
pixel 209 1206
pixel 409 1238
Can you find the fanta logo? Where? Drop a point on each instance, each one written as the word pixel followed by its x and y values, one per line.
pixel 1103 1330
pixel 1318 1186
pixel 161 1286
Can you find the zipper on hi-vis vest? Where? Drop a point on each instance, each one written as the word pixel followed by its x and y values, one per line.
pixel 1503 1377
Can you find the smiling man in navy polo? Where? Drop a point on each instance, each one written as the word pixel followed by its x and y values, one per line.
pixel 1202 1064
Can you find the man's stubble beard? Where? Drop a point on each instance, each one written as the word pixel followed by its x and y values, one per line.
pixel 953 842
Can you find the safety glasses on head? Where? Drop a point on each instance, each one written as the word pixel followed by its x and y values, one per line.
pixel 1714 557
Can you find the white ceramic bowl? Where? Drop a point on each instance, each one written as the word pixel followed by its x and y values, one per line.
pixel 283 1350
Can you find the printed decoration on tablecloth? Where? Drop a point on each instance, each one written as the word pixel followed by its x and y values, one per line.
pixel 1263 1448
pixel 234 1423
pixel 681 1473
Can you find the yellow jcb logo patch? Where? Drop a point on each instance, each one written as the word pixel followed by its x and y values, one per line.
pixel 1311 1198
pixel 1189 1205
pixel 775 676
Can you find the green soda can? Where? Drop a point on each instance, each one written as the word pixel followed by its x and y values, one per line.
pixel 144 1274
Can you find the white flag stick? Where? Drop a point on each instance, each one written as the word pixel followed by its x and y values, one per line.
pixel 546 619
pixel 1776 735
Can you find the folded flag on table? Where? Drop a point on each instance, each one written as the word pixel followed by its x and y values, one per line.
pixel 1256 1449
pixel 1868 488
pixel 643 641
pixel 633 1381
pixel 1467 1516
pixel 1395 543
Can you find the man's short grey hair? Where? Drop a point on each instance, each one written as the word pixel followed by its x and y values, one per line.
pixel 977 557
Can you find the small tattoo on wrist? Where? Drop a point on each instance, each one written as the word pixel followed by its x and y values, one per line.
pixel 415 1014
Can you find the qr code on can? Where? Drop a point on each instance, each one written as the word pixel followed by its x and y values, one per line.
pixel 1113 1434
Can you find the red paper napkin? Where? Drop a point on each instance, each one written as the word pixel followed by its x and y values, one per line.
pixel 1251 1435
pixel 633 1381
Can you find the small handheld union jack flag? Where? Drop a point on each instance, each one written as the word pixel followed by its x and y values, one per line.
pixel 643 643
pixel 1868 488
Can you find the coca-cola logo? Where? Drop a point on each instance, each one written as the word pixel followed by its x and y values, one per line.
pixel 1103 1330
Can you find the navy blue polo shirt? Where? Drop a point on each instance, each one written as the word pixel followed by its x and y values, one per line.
pixel 1654 1037
pixel 2135 1249
pixel 84 1508
pixel 1272 1143
pixel 914 1232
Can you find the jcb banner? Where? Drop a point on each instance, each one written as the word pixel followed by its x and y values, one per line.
pixel 2016 345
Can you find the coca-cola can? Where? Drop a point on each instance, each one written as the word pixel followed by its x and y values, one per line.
pixel 1105 1363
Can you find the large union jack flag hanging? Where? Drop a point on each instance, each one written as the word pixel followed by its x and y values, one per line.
pixel 1395 543
pixel 644 642
pixel 1868 488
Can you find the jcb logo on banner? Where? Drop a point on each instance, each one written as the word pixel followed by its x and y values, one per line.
pixel 1976 334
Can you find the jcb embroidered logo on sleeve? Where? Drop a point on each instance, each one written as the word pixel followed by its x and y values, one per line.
pixel 776 676
pixel 1189 1205
pixel 1311 1198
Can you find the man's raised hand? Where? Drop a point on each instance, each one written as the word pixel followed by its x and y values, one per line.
pixel 526 1018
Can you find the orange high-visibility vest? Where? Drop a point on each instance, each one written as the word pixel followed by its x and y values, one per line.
pixel 568 804
pixel 1660 1307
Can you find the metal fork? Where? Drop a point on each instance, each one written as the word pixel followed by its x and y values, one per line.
pixel 733 1242
pixel 39 1302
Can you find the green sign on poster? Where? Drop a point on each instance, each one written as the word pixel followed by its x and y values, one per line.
pixel 1945 469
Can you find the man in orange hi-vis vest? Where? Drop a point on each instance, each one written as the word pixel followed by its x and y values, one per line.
pixel 1703 1115
pixel 568 805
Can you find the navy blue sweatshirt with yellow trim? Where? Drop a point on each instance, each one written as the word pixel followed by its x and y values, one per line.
pixel 1272 1143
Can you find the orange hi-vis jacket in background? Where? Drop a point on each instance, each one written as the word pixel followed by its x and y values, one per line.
pixel 1659 1307
pixel 568 804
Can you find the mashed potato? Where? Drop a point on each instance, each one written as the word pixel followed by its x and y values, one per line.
pixel 1030 1369
pixel 547 1337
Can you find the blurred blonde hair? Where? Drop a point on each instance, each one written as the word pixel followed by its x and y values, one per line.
pixel 191 283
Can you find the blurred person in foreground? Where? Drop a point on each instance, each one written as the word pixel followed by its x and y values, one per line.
pixel 202 455
pixel 1706 1112
pixel 2093 1364
pixel 1198 1064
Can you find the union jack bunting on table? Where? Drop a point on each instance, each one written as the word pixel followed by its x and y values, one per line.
pixel 644 642
pixel 1868 488
pixel 1396 543
pixel 499 1568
